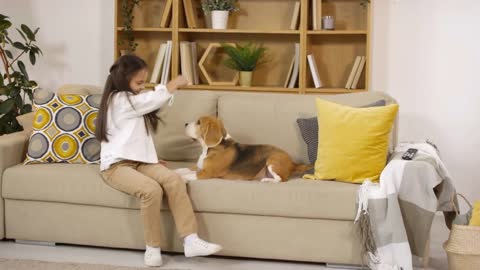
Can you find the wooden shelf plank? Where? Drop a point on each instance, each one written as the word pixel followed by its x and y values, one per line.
pixel 337 32
pixel 333 90
pixel 147 29
pixel 239 31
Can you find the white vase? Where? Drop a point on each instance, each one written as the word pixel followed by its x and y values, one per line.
pixel 219 19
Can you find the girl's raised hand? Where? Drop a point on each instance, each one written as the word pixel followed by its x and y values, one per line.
pixel 179 81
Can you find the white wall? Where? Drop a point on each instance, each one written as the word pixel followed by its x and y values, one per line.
pixel 76 38
pixel 425 54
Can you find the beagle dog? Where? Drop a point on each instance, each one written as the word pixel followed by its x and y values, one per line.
pixel 224 158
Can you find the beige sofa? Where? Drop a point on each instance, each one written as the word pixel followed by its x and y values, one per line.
pixel 299 220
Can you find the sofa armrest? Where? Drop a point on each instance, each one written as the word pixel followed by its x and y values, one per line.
pixel 13 148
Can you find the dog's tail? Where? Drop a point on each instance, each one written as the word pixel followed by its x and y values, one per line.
pixel 301 168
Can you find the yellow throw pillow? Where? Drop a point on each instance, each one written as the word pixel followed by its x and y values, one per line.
pixel 475 220
pixel 352 142
pixel 64 129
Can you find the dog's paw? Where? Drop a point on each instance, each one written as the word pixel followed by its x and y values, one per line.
pixel 270 180
pixel 189 177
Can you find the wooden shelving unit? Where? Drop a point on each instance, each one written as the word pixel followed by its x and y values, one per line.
pixel 268 23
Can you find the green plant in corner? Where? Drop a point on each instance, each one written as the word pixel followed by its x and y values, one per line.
pixel 244 58
pixel 15 84
pixel 127 16
pixel 228 5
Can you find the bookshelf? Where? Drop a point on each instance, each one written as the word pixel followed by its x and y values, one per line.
pixel 266 22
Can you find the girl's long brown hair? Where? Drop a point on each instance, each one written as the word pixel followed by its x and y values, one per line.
pixel 121 72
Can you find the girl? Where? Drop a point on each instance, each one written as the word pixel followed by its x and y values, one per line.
pixel 128 160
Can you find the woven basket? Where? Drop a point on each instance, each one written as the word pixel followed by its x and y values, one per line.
pixel 463 247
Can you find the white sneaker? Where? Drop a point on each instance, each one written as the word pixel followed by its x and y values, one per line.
pixel 199 247
pixel 153 257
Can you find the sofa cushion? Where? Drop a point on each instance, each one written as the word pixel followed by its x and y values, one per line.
pixel 263 118
pixel 170 140
pixel 63 129
pixel 352 142
pixel 309 130
pixel 82 184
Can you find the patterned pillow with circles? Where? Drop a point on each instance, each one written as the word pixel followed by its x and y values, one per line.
pixel 64 129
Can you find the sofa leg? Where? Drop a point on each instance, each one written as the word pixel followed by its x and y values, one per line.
pixel 345 266
pixel 36 243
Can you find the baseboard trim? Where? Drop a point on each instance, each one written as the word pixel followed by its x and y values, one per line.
pixel 35 243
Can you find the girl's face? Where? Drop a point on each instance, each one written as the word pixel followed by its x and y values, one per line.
pixel 137 83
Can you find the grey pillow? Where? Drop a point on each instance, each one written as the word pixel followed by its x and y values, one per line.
pixel 309 130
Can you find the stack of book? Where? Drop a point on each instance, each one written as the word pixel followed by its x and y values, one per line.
pixel 356 72
pixel 189 62
pixel 161 69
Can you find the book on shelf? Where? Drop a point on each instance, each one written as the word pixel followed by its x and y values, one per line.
pixel 295 16
pixel 314 15
pixel 186 61
pixel 194 54
pixel 353 72
pixel 358 73
pixel 157 69
pixel 166 15
pixel 290 70
pixel 166 63
pixel 188 8
pixel 314 70
pixel 296 65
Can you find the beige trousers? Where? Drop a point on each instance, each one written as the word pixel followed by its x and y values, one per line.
pixel 148 182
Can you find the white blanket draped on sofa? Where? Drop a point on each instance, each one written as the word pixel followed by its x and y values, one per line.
pixel 396 214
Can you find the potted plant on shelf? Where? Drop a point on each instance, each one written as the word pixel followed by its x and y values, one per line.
pixel 245 59
pixel 128 41
pixel 15 84
pixel 219 10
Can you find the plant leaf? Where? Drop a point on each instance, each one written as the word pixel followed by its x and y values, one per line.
pixel 14 92
pixel 22 68
pixel 22 34
pixel 26 109
pixel 3 91
pixel 9 54
pixel 4 25
pixel 32 57
pixel 7 105
pixel 29 32
pixel 19 46
pixel 19 101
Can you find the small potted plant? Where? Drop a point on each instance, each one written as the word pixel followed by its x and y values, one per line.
pixel 128 42
pixel 219 10
pixel 245 59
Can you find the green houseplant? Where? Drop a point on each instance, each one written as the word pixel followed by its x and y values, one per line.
pixel 16 88
pixel 245 59
pixel 219 10
pixel 128 41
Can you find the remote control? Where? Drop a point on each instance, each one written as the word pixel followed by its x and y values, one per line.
pixel 409 154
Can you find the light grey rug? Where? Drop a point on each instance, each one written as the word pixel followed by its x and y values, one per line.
pixel 17 264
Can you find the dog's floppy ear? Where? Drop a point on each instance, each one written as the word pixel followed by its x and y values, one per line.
pixel 213 132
